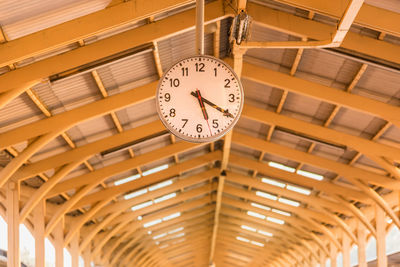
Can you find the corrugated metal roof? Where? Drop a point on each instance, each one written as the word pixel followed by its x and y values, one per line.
pixel 20 18
pixel 381 82
pixel 392 5
pixel 180 46
pixel 19 112
pixel 76 90
pixel 127 71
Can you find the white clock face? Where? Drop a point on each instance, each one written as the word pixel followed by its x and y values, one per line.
pixel 199 99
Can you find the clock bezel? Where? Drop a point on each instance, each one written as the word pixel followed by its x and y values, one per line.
pixel 196 139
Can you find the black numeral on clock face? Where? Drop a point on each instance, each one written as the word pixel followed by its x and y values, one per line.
pixel 184 122
pixel 231 98
pixel 200 67
pixel 185 71
pixel 199 128
pixel 167 97
pixel 227 82
pixel 215 123
pixel 215 72
pixel 172 112
pixel 174 82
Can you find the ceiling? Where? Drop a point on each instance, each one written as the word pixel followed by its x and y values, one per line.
pixel 316 149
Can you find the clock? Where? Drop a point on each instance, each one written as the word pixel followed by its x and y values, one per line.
pixel 199 99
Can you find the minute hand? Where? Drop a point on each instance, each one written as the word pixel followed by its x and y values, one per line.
pixel 225 112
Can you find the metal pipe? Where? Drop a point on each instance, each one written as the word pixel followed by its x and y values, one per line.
pixel 342 29
pixel 200 27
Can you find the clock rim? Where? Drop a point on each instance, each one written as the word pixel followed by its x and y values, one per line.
pixel 194 139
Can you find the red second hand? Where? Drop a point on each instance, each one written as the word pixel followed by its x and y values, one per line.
pixel 203 108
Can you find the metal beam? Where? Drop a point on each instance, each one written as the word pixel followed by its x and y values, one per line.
pixel 301 27
pixel 332 136
pixel 384 19
pixel 321 92
pixel 21 79
pixel 299 156
pixel 83 27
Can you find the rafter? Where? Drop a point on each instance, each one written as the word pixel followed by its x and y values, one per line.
pixel 23 78
pixel 314 90
pixel 299 156
pixel 382 22
pixel 301 27
pixel 131 136
pixel 82 28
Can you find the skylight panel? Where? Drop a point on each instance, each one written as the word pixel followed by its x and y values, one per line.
pixel 159 236
pixel 289 202
pixel 179 235
pixel 281 212
pixel 156 169
pixel 242 239
pixel 281 166
pixel 127 179
pixel 248 228
pixel 176 230
pixel 142 205
pixel 266 195
pixel 255 214
pixel 163 198
pixel 275 220
pixel 136 193
pixel 310 175
pixel 172 216
pixel 297 189
pixel 160 185
pixel 146 225
pixel 265 233
pixel 260 206
pixel 273 182
pixel 257 243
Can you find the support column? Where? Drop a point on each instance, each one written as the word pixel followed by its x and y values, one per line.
pixel 346 250
pixel 38 233
pixel 361 240
pixel 13 253
pixel 322 258
pixel 59 243
pixel 380 237
pixel 75 251
pixel 86 256
pixel 333 255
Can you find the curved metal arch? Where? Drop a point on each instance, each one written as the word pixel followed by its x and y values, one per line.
pixel 161 153
pixel 133 215
pixel 320 227
pixel 156 177
pixel 130 232
pixel 289 238
pixel 184 183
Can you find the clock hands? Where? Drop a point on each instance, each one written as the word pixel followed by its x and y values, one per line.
pixel 203 108
pixel 224 111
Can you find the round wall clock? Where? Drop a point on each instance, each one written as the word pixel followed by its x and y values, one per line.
pixel 199 99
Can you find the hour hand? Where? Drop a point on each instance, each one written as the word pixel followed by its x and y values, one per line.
pixel 224 111
pixel 203 108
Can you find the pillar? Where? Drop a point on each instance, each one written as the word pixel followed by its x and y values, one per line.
pixel 39 233
pixel 380 237
pixel 362 241
pixel 12 199
pixel 333 255
pixel 346 250
pixel 59 243
pixel 87 256
pixel 75 251
pixel 322 258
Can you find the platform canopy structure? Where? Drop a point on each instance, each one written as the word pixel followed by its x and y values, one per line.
pixel 310 170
